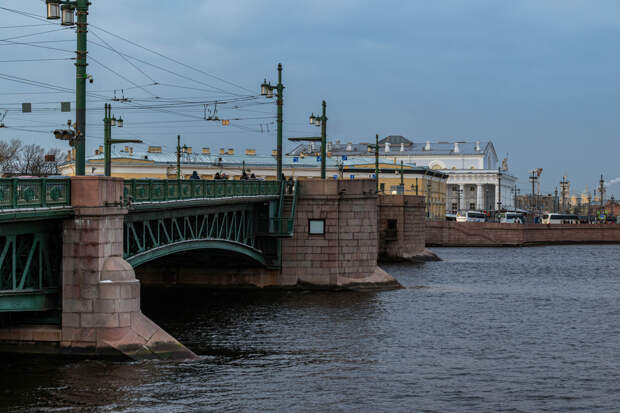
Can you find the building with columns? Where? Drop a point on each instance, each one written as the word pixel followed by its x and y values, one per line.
pixel 476 178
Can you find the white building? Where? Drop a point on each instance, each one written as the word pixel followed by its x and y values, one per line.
pixel 477 180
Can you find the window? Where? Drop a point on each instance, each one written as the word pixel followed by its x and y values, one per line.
pixel 382 187
pixel 454 206
pixel 391 224
pixel 316 226
pixel 472 205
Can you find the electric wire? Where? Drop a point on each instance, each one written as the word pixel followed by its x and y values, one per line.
pixel 172 59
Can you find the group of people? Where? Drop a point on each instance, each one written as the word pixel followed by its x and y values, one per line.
pixel 218 176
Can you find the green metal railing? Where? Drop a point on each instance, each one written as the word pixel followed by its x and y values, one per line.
pixel 18 193
pixel 283 226
pixel 152 190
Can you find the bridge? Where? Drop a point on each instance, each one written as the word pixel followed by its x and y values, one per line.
pixel 70 250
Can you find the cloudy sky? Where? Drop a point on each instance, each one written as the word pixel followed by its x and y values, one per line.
pixel 540 78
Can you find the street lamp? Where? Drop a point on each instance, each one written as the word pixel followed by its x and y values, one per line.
pixel 67 15
pixel 108 122
pixel 322 122
pixel 266 89
pixel 67 9
pixel 53 9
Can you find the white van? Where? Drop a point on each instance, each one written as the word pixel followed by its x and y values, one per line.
pixel 560 219
pixel 511 218
pixel 471 216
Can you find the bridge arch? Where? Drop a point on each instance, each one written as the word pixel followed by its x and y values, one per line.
pixel 196 245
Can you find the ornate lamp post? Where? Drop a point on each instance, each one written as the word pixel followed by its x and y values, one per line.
pixel 267 90
pixel 108 122
pixel 322 122
pixel 65 10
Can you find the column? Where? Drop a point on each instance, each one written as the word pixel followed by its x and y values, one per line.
pixel 479 197
pixel 461 200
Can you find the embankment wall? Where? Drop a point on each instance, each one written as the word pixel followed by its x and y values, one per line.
pixel 487 234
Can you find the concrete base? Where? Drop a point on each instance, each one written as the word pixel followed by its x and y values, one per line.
pixel 378 280
pixel 425 255
pixel 142 340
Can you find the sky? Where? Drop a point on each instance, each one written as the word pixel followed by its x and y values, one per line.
pixel 539 78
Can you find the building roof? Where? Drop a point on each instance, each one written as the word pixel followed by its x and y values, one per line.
pixel 395 140
pixel 404 147
pixel 307 161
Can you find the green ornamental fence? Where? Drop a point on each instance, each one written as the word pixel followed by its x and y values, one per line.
pixel 152 190
pixel 18 193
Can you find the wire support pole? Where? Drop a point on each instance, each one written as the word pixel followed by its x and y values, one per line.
pixel 107 140
pixel 80 86
pixel 280 104
pixel 323 139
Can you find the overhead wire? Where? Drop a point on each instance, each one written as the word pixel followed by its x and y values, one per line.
pixel 172 59
pixel 123 57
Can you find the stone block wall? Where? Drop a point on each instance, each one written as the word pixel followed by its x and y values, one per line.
pixel 409 213
pixel 100 294
pixel 346 255
pixel 488 234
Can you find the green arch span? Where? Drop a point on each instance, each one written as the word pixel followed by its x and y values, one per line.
pixel 192 245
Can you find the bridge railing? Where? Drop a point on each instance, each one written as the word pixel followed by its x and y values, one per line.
pixel 16 193
pixel 153 190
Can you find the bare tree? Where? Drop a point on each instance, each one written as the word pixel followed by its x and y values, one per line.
pixel 9 154
pixel 30 159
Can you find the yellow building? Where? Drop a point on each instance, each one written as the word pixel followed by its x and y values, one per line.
pixel 416 180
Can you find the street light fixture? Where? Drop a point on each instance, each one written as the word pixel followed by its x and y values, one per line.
pixel 68 12
pixel 322 122
pixel 53 9
pixel 266 89
pixel 108 122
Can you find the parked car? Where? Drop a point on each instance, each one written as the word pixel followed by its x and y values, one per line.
pixel 471 216
pixel 450 217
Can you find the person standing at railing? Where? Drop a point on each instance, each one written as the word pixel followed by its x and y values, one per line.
pixel 194 175
pixel 289 185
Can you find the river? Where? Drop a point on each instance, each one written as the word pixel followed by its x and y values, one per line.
pixel 484 330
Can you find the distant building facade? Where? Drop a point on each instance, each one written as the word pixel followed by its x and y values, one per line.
pixel 156 164
pixel 476 178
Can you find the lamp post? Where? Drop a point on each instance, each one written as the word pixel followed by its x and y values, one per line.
pixel 515 192
pixel 56 8
pixel 601 191
pixel 375 147
pixel 108 122
pixel 533 204
pixel 322 122
pixel 266 89
pixel 499 189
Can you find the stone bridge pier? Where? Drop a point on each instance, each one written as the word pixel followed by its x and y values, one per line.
pixel 100 293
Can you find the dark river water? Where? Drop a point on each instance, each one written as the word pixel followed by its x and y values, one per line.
pixel 485 330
